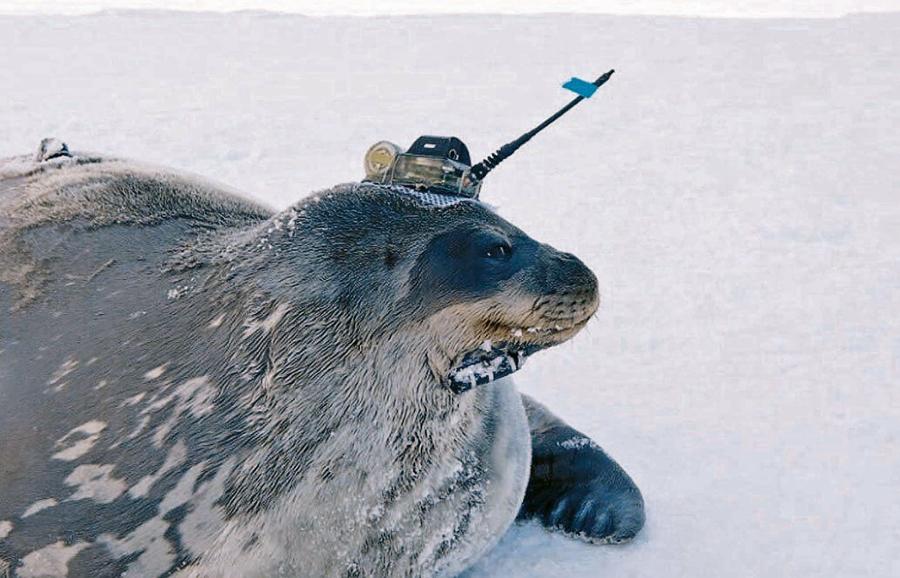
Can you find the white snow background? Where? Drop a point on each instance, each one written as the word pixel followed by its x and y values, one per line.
pixel 734 187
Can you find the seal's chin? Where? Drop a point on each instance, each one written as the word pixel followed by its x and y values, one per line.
pixel 494 360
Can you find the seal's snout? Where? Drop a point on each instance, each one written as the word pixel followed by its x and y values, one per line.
pixel 550 301
pixel 568 289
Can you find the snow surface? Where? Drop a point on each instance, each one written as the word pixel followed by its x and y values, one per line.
pixel 734 186
pixel 718 8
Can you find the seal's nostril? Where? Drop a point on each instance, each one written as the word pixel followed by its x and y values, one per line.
pixel 567 285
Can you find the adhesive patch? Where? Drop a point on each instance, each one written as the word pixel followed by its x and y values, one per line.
pixel 427 197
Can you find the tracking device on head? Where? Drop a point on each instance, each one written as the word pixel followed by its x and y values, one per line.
pixel 441 165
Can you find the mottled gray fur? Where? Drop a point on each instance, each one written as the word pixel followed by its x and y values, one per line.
pixel 194 384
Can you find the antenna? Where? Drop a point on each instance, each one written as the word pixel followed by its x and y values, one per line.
pixel 479 171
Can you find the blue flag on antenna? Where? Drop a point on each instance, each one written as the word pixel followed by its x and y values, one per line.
pixel 580 87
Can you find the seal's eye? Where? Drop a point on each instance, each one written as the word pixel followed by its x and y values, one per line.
pixel 499 251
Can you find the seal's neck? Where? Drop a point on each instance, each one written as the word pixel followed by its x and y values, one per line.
pixel 300 359
pixel 299 351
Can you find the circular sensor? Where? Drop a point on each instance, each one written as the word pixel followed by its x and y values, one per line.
pixel 379 159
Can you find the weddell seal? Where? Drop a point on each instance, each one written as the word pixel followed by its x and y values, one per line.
pixel 192 384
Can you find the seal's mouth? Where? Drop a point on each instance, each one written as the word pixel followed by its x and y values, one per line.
pixel 487 363
pixel 494 360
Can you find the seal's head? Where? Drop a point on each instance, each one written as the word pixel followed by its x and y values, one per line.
pixel 496 295
pixel 452 286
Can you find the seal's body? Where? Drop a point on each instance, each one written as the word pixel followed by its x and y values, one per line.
pixel 195 385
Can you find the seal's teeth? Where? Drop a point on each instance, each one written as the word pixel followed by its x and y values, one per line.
pixel 520 359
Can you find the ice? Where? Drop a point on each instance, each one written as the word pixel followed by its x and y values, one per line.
pixel 734 186
pixel 716 8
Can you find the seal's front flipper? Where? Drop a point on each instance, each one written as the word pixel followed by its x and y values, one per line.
pixel 574 486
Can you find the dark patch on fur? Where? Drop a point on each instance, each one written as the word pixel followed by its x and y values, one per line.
pixel 391 257
pixel 250 543
pixel 96 561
